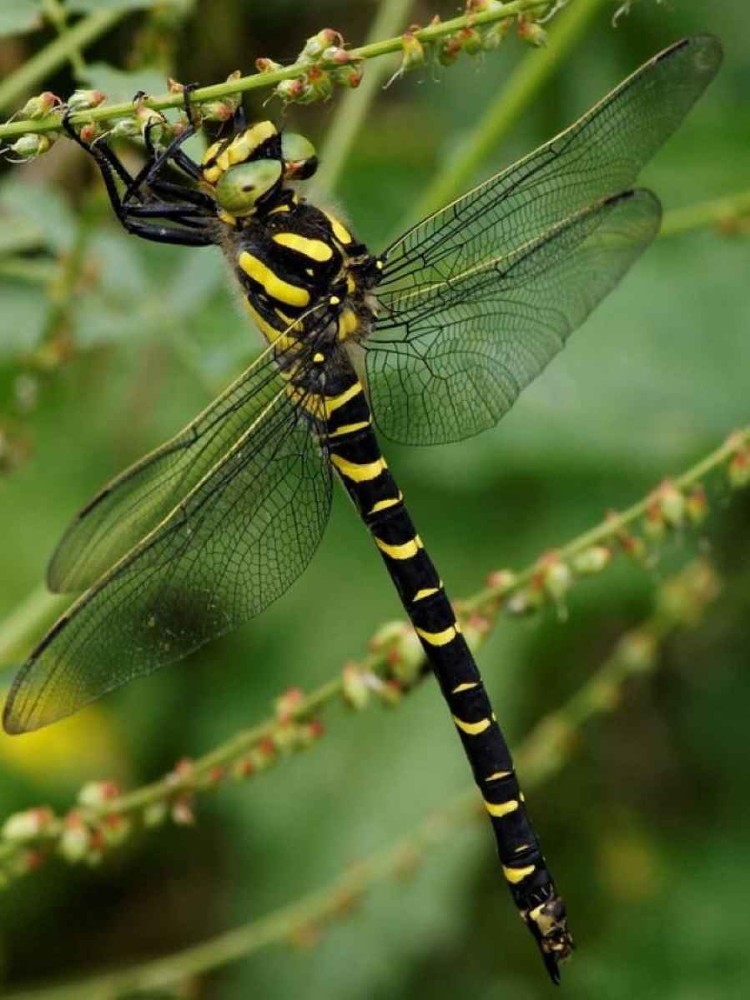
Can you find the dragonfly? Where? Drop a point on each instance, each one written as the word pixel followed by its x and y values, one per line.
pixel 454 319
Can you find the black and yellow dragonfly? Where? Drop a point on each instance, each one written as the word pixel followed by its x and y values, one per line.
pixel 454 319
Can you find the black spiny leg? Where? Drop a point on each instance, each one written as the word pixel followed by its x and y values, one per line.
pixel 145 197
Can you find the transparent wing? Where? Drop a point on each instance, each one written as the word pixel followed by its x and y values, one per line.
pixel 232 546
pixel 132 504
pixel 430 267
pixel 460 361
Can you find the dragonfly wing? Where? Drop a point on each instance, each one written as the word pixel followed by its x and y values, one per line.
pixel 599 155
pixel 427 269
pixel 134 503
pixel 463 351
pixel 232 546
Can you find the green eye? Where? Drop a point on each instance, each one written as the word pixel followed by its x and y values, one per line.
pixel 240 188
pixel 298 154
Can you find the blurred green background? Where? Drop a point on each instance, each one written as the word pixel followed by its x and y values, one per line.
pixel 647 828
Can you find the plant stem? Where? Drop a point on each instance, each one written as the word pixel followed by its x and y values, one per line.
pixel 377 663
pixel 615 524
pixel 725 212
pixel 543 753
pixel 45 62
pixel 254 81
pixel 58 16
pixel 25 621
pixel 353 107
pixel 534 71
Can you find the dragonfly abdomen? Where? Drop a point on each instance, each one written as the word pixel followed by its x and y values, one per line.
pixel 355 454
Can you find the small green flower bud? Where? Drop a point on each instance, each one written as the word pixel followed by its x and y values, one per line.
pixel 592 560
pixel 97 793
pixel 76 839
pixel 532 33
pixel 672 504
pixel 27 825
pixel 739 469
pixel 40 105
pixel 557 579
pixel 696 505
pixel 154 814
pixel 355 689
pixel 316 45
pixel 413 52
pixel 33 144
pixel 84 100
pixel 264 65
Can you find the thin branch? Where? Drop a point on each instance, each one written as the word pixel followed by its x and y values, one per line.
pixel 681 602
pixel 49 59
pixel 730 213
pixel 28 619
pixel 58 16
pixel 433 33
pixel 393 666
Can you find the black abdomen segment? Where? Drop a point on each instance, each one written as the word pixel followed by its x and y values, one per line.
pixel 356 455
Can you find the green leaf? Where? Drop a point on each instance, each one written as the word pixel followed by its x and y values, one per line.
pixel 19 16
pixel 24 316
pixel 30 211
pixel 116 309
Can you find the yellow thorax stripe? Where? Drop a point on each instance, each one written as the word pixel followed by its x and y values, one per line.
pixel 407 550
pixel 426 592
pixel 348 324
pixel 274 286
pixel 338 229
pixel 281 341
pixel 314 249
pixel 359 472
pixel 467 686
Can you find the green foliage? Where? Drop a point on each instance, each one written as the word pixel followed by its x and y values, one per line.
pixel 22 15
pixel 109 348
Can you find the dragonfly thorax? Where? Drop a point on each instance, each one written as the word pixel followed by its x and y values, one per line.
pixel 302 271
pixel 299 267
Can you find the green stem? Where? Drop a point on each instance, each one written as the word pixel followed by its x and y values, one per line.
pixel 534 71
pixel 255 81
pixel 353 107
pixel 542 754
pixel 57 15
pixel 35 272
pixel 378 662
pixel 614 525
pixel 45 62
pixel 724 212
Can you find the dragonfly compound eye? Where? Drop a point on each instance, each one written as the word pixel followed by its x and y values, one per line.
pixel 240 189
pixel 298 154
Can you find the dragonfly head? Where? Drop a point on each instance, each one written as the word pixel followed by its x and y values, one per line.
pixel 246 171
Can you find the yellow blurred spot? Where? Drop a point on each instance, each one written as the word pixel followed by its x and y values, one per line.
pixel 73 751
pixel 629 866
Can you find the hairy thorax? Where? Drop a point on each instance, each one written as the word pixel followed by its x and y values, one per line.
pixel 303 274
